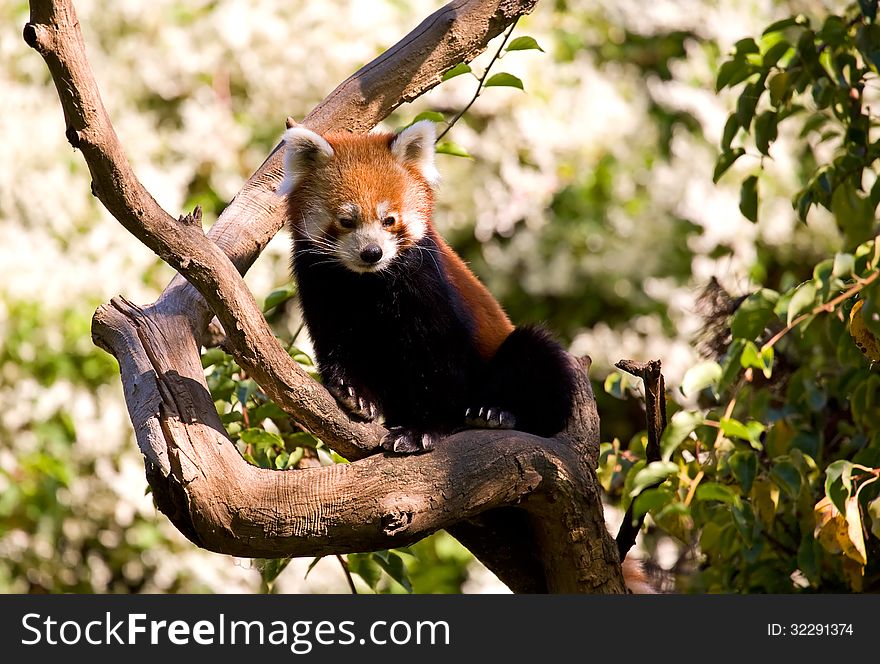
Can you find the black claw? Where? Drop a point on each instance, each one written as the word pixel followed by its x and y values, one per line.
pixel 405 441
pixel 489 418
pixel 354 404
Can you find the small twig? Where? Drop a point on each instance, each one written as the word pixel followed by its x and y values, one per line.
pixel 655 415
pixel 825 307
pixel 481 81
pixel 295 336
pixel 347 572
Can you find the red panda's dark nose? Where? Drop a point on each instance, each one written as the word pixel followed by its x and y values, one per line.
pixel 371 253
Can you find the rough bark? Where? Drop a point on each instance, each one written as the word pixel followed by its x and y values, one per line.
pixel 500 492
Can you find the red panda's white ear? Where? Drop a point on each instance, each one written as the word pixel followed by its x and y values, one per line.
pixel 303 150
pixel 415 145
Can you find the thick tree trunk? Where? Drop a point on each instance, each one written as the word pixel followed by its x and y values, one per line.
pixel 528 507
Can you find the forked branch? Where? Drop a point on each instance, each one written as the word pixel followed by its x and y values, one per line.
pixel 199 479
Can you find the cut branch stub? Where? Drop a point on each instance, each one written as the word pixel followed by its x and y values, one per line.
pixel 655 416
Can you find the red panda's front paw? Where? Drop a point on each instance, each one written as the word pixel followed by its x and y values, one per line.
pixel 489 418
pixel 352 402
pixel 406 441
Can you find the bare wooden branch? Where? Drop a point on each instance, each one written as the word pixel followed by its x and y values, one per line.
pixel 655 416
pixel 200 481
pixel 545 488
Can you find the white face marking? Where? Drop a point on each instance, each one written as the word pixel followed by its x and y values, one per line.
pixel 415 224
pixel 382 209
pixel 353 243
pixel 313 222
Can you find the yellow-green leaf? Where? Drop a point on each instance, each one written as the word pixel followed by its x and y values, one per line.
pixel 504 79
pixel 523 44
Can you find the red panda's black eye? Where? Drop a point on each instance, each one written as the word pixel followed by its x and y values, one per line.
pixel 388 222
pixel 345 222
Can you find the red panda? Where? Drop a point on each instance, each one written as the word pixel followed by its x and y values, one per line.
pixel 401 328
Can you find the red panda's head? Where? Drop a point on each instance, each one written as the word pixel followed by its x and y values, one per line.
pixel 360 198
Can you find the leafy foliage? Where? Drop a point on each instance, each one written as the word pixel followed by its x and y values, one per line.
pixel 772 475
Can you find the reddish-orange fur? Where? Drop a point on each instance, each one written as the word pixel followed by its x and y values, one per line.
pixel 493 325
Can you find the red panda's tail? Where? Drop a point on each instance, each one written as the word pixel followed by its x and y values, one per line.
pixel 635 578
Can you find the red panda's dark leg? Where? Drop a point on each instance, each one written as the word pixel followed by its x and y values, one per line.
pixel 352 398
pixel 530 378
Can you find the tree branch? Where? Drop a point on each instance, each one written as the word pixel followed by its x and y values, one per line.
pixel 199 479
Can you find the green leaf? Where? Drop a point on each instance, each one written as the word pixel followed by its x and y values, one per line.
pixel 779 87
pixel 767 356
pixel 744 466
pixel 213 356
pixel 808 556
pixel 802 202
pixel 294 458
pixel 365 565
pixel 454 149
pixel 680 426
pixel 748 528
pixel 751 432
pixel 734 72
pixel 617 383
pixel 853 212
pixel 524 43
pixel 833 31
pixel 725 161
pixel 765 131
pixel 730 366
pixel 699 377
pixel 775 52
pixel 781 25
pixel 457 70
pixel 394 567
pixel 874 513
pixel 268 410
pixel 260 438
pixel 806 48
pixel 282 460
pixel 838 483
pixel 747 103
pixel 844 264
pixel 715 491
pixel 757 359
pixel 731 127
pixel 787 477
pixel 433 116
pixel 746 46
pixel 270 568
pixel 651 500
pixel 651 475
pixel 804 298
pixel 748 198
pixel 279 296
pixel 752 316
pixel 503 79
